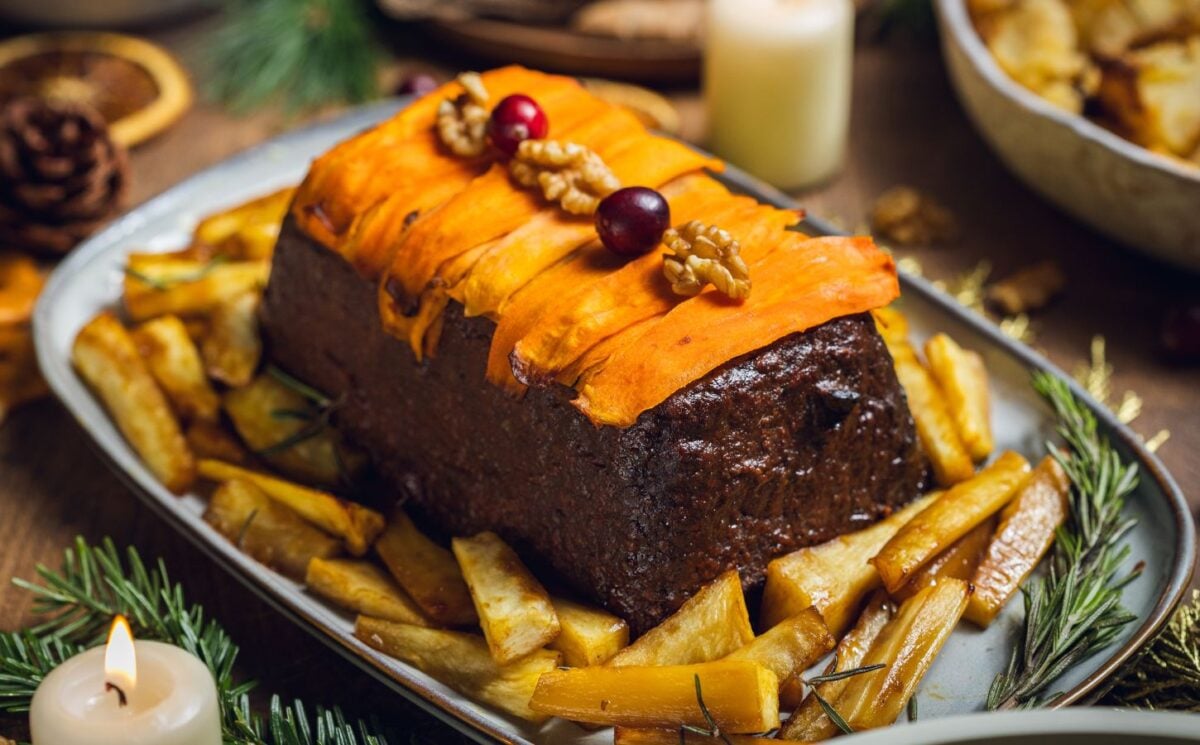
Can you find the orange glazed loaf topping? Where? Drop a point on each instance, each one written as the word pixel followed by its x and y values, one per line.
pixel 432 228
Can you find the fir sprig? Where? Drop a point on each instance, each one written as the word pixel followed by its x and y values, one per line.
pixel 306 52
pixel 1167 675
pixel 1074 610
pixel 93 585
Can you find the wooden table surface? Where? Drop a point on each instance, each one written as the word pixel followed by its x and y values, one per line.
pixel 907 129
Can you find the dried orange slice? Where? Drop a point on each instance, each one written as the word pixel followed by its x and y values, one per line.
pixel 137 87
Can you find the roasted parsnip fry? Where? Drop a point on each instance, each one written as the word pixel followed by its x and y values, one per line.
pixel 935 427
pixel 959 561
pixel 809 723
pixel 362 587
pixel 589 636
pixel 208 440
pixel 249 230
pixel 741 696
pixel 791 647
pixel 156 285
pixel 834 577
pixel 1025 534
pixel 286 430
pixel 462 662
pixel 173 360
pixel 232 347
pixel 628 736
pixel 963 380
pixel 426 571
pixel 710 625
pixel 108 360
pixel 891 324
pixel 908 646
pixel 357 525
pixel 949 518
pixel 514 609
pixel 266 530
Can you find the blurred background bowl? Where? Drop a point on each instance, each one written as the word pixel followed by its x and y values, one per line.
pixel 1142 199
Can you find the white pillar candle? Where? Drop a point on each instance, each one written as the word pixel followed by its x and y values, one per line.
pixel 170 699
pixel 777 83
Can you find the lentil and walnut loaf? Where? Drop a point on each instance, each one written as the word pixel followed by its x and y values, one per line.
pixel 790 445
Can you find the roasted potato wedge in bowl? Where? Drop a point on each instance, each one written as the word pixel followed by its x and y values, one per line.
pixel 1144 199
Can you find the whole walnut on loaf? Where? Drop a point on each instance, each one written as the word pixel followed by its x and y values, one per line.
pixel 61 176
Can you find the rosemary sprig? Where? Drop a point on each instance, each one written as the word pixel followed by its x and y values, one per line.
pixel 1074 610
pixel 94 584
pixel 826 706
pixel 307 52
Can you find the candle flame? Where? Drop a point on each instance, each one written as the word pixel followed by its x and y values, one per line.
pixel 120 659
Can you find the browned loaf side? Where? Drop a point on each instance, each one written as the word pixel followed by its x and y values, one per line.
pixel 790 446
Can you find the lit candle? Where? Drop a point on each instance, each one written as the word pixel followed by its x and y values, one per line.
pixel 777 82
pixel 127 693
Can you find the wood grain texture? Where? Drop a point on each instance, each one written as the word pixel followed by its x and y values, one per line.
pixel 907 128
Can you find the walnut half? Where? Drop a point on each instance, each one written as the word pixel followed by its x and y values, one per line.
pixel 705 254
pixel 567 173
pixel 462 123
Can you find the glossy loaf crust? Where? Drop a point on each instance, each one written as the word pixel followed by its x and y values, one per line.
pixel 805 439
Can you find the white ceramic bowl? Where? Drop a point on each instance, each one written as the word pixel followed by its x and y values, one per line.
pixel 1137 197
pixel 1080 726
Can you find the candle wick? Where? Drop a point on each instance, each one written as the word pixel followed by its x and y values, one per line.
pixel 121 700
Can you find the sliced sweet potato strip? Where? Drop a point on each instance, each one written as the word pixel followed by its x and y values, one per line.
pixel 376 234
pixel 347 179
pixel 632 294
pixel 559 286
pixel 652 160
pixel 801 284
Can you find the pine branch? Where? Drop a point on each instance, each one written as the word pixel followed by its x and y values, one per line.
pixel 94 584
pixel 307 52
pixel 1167 675
pixel 1074 610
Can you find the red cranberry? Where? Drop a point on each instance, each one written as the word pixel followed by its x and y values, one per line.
pixel 631 221
pixel 516 118
pixel 1181 333
pixel 417 84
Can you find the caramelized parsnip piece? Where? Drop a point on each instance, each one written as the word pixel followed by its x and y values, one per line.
pixel 514 609
pixel 266 530
pixel 355 524
pixel 156 285
pixel 935 426
pixel 741 696
pixel 1026 532
pixel 232 347
pixel 809 723
pixel 710 625
pixel 834 577
pixel 107 359
pixel 963 380
pixel 286 430
pixel 426 571
pixel 361 587
pixel 891 324
pixel 174 361
pixel 589 636
pixel 461 661
pixel 959 561
pixel 908 646
pixel 791 647
pixel 209 440
pixel 628 736
pixel 249 230
pixel 949 518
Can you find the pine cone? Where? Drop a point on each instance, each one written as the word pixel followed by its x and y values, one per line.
pixel 61 176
